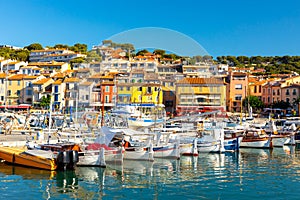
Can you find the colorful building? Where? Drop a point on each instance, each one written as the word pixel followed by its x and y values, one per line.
pixel 194 95
pixel 237 90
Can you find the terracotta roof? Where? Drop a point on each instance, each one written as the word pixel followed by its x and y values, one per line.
pixel 2 75
pixel 57 82
pixel 86 83
pixel 260 82
pixel 59 75
pixel 42 81
pixel 83 70
pixel 16 77
pixel 46 63
pixel 96 76
pixel 72 80
pixel 292 85
pixel 239 74
pixel 200 81
pixel 30 77
pixel 46 50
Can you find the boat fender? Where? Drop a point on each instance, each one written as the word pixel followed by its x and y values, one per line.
pixel 74 156
pixel 63 157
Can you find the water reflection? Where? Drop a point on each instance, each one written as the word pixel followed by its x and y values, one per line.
pixel 26 173
pixel 251 173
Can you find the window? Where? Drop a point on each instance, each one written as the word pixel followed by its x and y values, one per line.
pixel 9 82
pixel 121 88
pixel 255 89
pixel 128 88
pixel 278 92
pixel 287 92
pixel 28 92
pixel 56 97
pixel 106 88
pixel 19 82
pixel 238 86
pixel 148 90
pixel 268 99
pixel 9 92
pixel 86 97
pixel 56 89
pixel 287 100
pixel 259 89
pixel 294 92
pixel 238 97
pixel 106 98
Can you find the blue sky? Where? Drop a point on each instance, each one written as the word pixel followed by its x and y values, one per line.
pixel 232 27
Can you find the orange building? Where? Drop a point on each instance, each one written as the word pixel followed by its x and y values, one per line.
pixel 237 90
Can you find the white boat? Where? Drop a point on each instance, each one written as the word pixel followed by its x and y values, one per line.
pixel 145 115
pixel 256 138
pixel 232 139
pixel 278 139
pixel 188 147
pixel 211 141
pixel 139 153
pixel 100 151
pixel 101 157
pixel 137 145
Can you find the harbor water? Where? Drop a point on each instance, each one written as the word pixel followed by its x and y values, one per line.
pixel 247 174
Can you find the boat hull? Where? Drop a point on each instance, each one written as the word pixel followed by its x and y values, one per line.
pixel 232 144
pixel 169 151
pixel 257 143
pixel 138 153
pixel 188 149
pixel 208 147
pixel 278 140
pixel 100 157
pixel 21 157
pixel 143 122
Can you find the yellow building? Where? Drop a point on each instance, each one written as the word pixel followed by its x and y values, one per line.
pixel 2 87
pixel 41 87
pixel 124 93
pixel 19 89
pixel 150 93
pixel 290 81
pixel 200 94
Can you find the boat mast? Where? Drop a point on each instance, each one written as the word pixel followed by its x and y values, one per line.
pixel 102 106
pixel 6 79
pixel 50 118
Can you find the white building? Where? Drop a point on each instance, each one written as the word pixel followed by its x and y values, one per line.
pixel 59 55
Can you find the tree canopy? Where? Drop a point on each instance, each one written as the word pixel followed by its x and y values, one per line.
pixel 272 64
pixel 254 102
pixel 19 54
pixel 34 46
